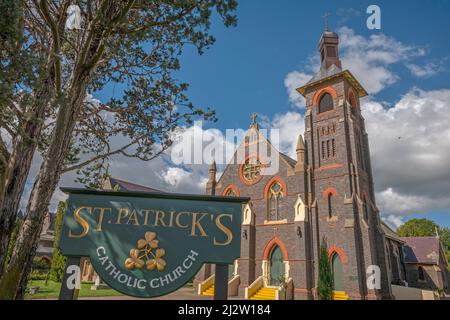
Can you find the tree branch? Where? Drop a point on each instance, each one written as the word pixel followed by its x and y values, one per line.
pixel 98 157
pixel 56 43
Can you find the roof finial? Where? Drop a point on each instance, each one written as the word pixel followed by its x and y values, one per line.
pixel 254 116
pixel 327 14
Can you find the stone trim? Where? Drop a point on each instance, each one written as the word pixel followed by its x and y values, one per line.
pixel 321 92
pixel 335 249
pixel 271 182
pixel 269 246
pixel 328 191
pixel 231 187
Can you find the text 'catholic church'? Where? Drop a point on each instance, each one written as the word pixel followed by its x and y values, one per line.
pixel 326 193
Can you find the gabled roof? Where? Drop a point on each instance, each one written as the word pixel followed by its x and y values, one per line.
pixel 389 233
pixel 129 186
pixel 288 159
pixel 426 250
pixel 261 139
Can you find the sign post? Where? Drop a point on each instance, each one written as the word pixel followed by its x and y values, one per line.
pixel 149 244
pixel 221 282
pixel 71 282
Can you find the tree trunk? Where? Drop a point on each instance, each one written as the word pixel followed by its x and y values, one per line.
pixel 13 283
pixel 20 163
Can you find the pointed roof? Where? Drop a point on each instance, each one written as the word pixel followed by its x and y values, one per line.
pixel 331 66
pixel 261 139
pixel 288 159
pixel 425 250
pixel 300 143
pixel 331 73
pixel 322 74
pixel 212 166
pixel 129 186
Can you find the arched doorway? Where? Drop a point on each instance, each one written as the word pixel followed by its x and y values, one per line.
pixel 276 267
pixel 337 272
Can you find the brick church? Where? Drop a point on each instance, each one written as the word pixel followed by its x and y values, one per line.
pixel 325 193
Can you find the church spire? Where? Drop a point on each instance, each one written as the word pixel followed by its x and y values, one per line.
pixel 329 48
pixel 300 150
pixel 211 184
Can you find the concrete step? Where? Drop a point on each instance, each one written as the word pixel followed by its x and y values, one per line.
pixel 340 295
pixel 208 291
pixel 264 294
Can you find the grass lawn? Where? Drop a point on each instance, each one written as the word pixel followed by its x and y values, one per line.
pixel 52 290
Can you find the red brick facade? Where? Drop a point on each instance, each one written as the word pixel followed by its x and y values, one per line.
pixel 337 173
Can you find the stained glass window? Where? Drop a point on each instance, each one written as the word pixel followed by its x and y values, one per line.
pixel 252 169
pixel 275 202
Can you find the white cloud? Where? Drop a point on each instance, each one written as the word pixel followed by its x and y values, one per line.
pixel 369 59
pixel 393 221
pixel 174 176
pixel 293 81
pixel 425 71
pixel 290 124
pixel 410 148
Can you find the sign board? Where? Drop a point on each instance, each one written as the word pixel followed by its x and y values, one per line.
pixel 148 245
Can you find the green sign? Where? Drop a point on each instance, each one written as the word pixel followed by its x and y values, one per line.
pixel 148 245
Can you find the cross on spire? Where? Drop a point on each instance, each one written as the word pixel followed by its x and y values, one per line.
pixel 254 116
pixel 326 15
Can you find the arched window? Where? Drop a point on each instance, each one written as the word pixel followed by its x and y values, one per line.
pixel 325 103
pixel 330 205
pixel 230 193
pixel 421 274
pixel 275 202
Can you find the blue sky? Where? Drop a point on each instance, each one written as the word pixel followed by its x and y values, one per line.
pixel 244 71
pixel 256 66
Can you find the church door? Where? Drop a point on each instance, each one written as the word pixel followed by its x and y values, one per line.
pixel 276 267
pixel 337 273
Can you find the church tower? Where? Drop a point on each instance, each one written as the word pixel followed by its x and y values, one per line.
pixel 341 200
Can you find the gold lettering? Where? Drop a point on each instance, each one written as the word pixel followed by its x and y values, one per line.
pixel 196 224
pixel 119 215
pixel 82 222
pixel 171 218
pixel 224 229
pixel 133 216
pixel 147 211
pixel 177 219
pixel 159 218
pixel 100 217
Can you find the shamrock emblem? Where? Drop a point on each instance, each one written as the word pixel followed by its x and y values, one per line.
pixel 147 253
